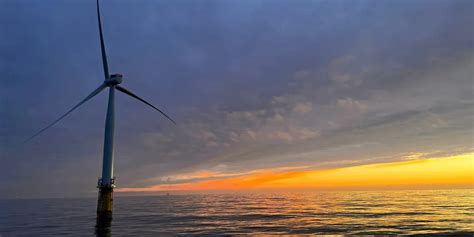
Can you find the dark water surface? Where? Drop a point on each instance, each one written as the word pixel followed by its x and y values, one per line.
pixel 358 212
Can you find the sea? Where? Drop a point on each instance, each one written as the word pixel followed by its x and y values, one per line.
pixel 415 212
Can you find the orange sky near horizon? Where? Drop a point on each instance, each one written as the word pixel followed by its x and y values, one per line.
pixel 447 172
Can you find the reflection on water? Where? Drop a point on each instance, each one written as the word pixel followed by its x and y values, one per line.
pixel 387 212
pixel 103 226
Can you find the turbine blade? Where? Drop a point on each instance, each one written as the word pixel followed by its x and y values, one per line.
pixel 142 100
pixel 94 93
pixel 102 45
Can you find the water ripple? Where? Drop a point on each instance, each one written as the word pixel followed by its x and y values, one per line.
pixel 365 213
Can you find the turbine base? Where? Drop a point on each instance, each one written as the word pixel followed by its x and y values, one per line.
pixel 105 202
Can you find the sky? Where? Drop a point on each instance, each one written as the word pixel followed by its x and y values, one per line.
pixel 272 90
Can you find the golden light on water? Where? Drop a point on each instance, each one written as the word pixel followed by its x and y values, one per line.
pixel 451 172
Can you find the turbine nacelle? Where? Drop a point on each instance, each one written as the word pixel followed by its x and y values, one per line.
pixel 114 80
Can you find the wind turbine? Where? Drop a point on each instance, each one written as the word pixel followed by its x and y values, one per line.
pixel 106 183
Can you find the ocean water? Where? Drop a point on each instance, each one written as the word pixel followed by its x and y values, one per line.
pixel 327 213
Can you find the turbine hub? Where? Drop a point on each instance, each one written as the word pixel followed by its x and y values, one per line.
pixel 114 79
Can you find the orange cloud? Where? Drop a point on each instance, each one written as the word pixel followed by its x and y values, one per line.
pixel 455 171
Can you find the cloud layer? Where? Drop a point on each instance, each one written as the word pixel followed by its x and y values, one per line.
pixel 252 85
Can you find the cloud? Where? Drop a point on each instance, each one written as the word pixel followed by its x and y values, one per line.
pixel 205 135
pixel 305 134
pixel 212 144
pixel 289 135
pixel 303 108
pixel 351 105
pixel 342 70
pixel 252 85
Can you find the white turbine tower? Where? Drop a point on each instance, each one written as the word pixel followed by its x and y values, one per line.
pixel 106 183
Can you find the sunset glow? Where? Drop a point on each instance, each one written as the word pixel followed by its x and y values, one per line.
pixel 229 118
pixel 454 171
